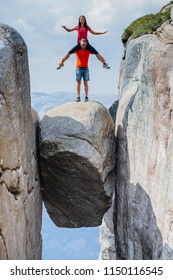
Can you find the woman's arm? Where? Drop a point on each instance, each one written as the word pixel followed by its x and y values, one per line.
pixel 68 29
pixel 97 33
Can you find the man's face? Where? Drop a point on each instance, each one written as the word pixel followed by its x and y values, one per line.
pixel 83 44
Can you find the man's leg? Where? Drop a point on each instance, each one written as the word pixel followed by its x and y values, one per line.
pixel 78 91
pixel 86 88
pixel 78 88
pixel 78 79
pixel 86 79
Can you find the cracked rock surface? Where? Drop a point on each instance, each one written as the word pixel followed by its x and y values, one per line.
pixel 20 196
pixel 144 149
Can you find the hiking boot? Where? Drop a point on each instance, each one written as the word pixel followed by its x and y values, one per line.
pixel 86 98
pixel 60 65
pixel 78 99
pixel 105 65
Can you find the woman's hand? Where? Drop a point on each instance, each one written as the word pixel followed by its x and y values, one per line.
pixel 67 29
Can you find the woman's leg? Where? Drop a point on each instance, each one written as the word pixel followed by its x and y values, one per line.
pixel 75 48
pixel 91 49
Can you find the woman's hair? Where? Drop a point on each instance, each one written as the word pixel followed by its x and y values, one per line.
pixel 85 23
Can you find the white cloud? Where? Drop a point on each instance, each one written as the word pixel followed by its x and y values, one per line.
pixel 135 4
pixel 22 24
pixel 39 2
pixel 50 15
pixel 102 12
pixel 75 246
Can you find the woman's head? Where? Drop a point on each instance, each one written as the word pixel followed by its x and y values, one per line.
pixel 82 21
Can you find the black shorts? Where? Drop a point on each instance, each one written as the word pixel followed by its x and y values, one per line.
pixel 88 47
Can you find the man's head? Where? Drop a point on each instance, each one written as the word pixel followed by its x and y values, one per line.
pixel 83 43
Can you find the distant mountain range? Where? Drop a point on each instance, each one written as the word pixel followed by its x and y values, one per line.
pixel 42 102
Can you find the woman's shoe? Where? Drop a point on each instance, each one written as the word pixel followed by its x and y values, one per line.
pixel 105 65
pixel 60 65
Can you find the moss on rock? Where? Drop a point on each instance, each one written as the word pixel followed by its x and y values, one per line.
pixel 147 24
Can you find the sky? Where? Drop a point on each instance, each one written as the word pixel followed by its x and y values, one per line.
pixel 40 24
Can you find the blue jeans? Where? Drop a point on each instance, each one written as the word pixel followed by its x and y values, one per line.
pixel 82 73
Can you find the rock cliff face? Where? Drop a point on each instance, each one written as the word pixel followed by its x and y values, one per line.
pixel 77 156
pixel 143 214
pixel 77 162
pixel 20 197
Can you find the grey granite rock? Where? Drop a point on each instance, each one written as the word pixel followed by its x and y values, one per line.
pixel 144 189
pixel 77 162
pixel 20 195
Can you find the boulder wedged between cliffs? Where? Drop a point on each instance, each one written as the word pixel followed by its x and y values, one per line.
pixel 77 162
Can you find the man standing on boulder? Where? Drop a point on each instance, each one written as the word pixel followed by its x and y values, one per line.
pixel 82 70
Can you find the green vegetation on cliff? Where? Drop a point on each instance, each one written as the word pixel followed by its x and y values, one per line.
pixel 147 24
